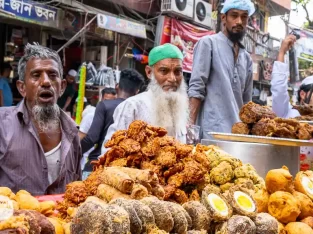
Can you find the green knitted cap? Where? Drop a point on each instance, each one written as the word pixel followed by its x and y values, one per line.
pixel 163 52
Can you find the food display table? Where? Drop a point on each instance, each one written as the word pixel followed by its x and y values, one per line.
pixel 263 157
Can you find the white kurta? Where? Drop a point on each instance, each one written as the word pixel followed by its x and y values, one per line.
pixel 139 107
pixel 283 108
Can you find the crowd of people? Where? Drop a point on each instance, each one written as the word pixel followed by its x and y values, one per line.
pixel 42 149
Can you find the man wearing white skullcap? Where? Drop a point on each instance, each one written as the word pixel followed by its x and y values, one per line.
pixel 279 84
pixel 66 99
pixel 221 79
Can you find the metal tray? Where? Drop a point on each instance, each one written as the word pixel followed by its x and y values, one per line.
pixel 308 122
pixel 260 139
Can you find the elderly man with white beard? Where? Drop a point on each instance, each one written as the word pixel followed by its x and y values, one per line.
pixel 165 103
pixel 39 144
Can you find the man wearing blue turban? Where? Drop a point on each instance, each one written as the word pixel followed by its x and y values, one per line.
pixel 165 103
pixel 221 79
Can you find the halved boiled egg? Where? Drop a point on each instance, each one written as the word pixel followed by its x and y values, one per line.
pixel 218 204
pixel 307 184
pixel 244 201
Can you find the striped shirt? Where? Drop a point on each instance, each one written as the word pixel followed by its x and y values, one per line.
pixel 23 164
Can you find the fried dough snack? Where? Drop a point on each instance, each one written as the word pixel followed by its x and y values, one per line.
pixel 76 192
pixel 252 113
pixel 284 207
pixel 304 109
pixel 279 180
pixel 240 128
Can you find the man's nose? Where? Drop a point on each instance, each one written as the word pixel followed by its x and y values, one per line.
pixel 45 80
pixel 172 77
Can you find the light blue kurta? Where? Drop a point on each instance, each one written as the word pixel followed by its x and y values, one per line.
pixel 222 84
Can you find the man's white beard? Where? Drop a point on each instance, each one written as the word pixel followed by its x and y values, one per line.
pixel 170 108
pixel 47 117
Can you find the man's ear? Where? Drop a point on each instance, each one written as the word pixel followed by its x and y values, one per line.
pixel 302 96
pixel 63 86
pixel 148 70
pixel 223 18
pixel 21 88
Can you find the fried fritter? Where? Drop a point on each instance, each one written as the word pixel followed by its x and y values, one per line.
pixel 222 174
pixel 160 131
pixel 121 162
pixel 151 148
pixel 116 138
pixel 304 109
pixel 130 146
pixel 194 196
pixel 134 160
pixel 240 128
pixel 93 181
pixel 304 132
pixel 265 127
pixel 136 130
pixel 177 180
pixel 146 165
pixel 252 113
pixel 202 159
pixel 111 155
pixel 180 196
pixel 173 170
pixel 76 192
pixel 182 150
pixel 166 156
pixel 193 172
pixel 169 191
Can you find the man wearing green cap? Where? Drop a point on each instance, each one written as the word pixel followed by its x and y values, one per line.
pixel 165 103
pixel 221 80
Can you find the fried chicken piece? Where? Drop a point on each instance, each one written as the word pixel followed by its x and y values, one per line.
pixel 202 159
pixel 304 109
pixel 252 113
pixel 93 181
pixel 116 138
pixel 130 146
pixel 173 170
pixel 160 131
pixel 166 141
pixel 121 162
pixel 304 132
pixel 265 127
pixel 183 150
pixel 146 165
pixel 176 180
pixel 76 192
pixel 134 160
pixel 136 130
pixel 169 191
pixel 194 196
pixel 305 118
pixel 113 154
pixel 193 171
pixel 166 156
pixel 240 128
pixel 202 148
pixel 151 148
pixel 180 196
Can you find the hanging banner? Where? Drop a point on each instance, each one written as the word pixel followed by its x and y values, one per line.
pixel 121 26
pixel 304 46
pixel 29 11
pixel 184 36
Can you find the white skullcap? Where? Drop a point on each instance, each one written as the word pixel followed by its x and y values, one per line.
pixel 72 73
pixel 307 81
pixel 244 5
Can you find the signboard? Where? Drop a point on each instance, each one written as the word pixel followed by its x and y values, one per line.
pixel 121 26
pixel 30 11
pixel 304 46
pixel 185 36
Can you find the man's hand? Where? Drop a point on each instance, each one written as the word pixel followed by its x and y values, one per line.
pixel 286 45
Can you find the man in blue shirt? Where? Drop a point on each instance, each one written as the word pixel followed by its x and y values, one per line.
pixel 6 97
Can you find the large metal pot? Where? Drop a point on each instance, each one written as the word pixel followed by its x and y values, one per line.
pixel 263 157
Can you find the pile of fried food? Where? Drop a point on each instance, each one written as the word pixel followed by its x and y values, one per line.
pixel 21 213
pixel 183 170
pixel 306 112
pixel 262 121
pixel 289 200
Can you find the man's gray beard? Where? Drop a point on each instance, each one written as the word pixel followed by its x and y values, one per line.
pixel 170 108
pixel 47 117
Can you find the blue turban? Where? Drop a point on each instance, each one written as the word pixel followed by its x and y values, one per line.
pixel 244 5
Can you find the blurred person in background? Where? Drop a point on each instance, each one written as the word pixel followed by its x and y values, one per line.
pixel 6 97
pixel 65 100
pixel 128 86
pixel 108 94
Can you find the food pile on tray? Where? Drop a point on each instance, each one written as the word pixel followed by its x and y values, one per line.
pixel 148 182
pixel 306 112
pixel 261 121
pixel 289 200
